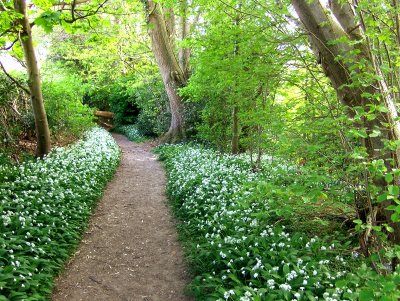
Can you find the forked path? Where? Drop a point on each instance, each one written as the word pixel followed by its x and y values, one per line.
pixel 130 251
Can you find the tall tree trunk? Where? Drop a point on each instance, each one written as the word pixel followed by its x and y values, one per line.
pixel 235 130
pixel 323 29
pixel 235 110
pixel 171 73
pixel 184 52
pixel 41 123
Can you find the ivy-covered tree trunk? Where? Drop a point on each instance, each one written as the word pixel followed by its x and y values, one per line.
pixel 326 35
pixel 171 73
pixel 41 123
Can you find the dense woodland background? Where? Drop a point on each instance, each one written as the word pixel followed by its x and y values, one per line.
pixel 313 83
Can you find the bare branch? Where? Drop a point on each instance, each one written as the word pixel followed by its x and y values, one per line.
pixel 11 46
pixel 239 10
pixel 76 2
pixel 17 83
pixel 89 14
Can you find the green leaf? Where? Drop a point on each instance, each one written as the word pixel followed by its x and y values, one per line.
pixel 389 287
pixel 389 177
pixel 382 108
pixel 389 229
pixel 375 133
pixel 358 133
pixel 395 217
pixel 393 190
pixel 341 283
pixel 310 296
pixel 234 278
pixel 392 207
pixel 48 20
pixel 377 228
pixel 286 269
pixel 382 197
pixel 366 294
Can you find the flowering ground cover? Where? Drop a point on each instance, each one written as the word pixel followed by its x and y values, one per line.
pixel 241 248
pixel 45 206
pixel 131 132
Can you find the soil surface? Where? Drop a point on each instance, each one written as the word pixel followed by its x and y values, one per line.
pixel 130 251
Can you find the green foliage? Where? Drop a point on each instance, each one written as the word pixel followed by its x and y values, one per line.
pixel 118 73
pixel 117 98
pixel 47 20
pixel 243 58
pixel 154 117
pixel 246 55
pixel 46 205
pixel 123 105
pixel 243 247
pixel 63 101
pixel 131 132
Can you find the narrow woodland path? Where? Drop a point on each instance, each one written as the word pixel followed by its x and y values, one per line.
pixel 130 251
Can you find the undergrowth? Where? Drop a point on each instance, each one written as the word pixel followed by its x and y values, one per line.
pixel 131 132
pixel 245 240
pixel 45 207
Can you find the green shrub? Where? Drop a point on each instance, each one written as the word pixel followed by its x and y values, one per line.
pixel 123 103
pixel 65 111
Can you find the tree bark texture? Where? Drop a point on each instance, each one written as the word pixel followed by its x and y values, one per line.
pixel 184 52
pixel 171 73
pixel 323 29
pixel 35 89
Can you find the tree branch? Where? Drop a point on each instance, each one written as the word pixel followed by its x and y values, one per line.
pixel 74 19
pixel 76 2
pixel 11 46
pixel 2 6
pixel 14 80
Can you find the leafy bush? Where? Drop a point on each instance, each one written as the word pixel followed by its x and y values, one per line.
pixel 154 117
pixel 131 132
pixel 123 104
pixel 134 100
pixel 45 207
pixel 240 250
pixel 65 111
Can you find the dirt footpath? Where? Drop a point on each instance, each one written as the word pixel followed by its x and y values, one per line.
pixel 130 251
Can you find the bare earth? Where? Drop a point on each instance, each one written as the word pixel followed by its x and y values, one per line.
pixel 130 251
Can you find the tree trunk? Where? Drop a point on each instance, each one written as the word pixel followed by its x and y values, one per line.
pixel 235 130
pixel 184 52
pixel 323 29
pixel 235 109
pixel 171 73
pixel 41 124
